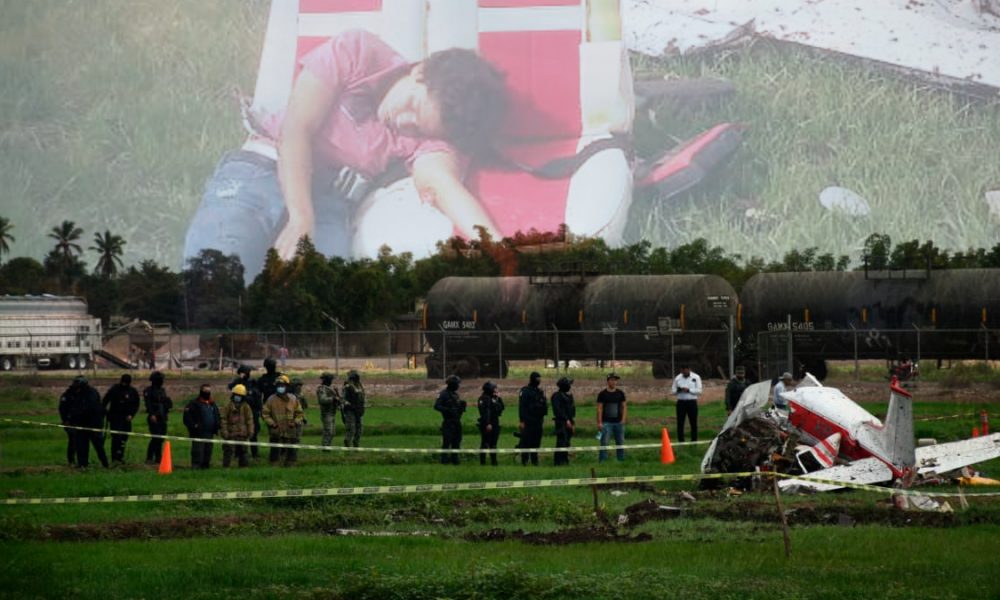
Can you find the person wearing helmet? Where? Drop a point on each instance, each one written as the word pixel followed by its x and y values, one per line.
pixel 490 408
pixel 253 399
pixel 267 382
pixel 203 421
pixel 283 415
pixel 236 425
pixel 158 405
pixel 564 415
pixel 328 398
pixel 451 408
pixel 120 402
pixel 353 408
pixel 532 408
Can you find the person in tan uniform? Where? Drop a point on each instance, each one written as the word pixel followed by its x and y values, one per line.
pixel 283 415
pixel 236 424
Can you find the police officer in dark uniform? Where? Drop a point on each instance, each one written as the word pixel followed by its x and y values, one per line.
pixel 490 408
pixel 737 385
pixel 85 410
pixel 121 402
pixel 158 404
pixel 564 415
pixel 451 408
pixel 532 408
pixel 254 400
pixel 67 404
pixel 267 382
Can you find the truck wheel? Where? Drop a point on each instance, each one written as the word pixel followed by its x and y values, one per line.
pixel 81 362
pixel 70 362
pixel 6 363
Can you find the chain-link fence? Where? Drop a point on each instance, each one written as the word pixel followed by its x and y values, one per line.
pixel 797 349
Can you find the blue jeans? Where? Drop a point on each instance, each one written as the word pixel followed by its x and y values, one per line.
pixel 242 212
pixel 607 430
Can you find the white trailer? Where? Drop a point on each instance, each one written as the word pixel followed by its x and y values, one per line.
pixel 47 331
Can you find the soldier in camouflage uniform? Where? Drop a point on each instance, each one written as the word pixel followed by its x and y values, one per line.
pixel 283 415
pixel 328 399
pixel 236 424
pixel 353 408
pixel 296 388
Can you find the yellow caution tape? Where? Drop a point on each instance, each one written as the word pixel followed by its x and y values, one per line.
pixel 342 448
pixel 450 487
pixel 371 490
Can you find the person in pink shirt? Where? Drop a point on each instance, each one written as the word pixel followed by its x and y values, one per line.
pixel 358 113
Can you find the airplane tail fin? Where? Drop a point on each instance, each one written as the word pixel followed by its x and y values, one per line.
pixel 898 429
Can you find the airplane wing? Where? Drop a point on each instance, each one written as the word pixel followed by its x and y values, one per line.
pixel 942 458
pixel 866 470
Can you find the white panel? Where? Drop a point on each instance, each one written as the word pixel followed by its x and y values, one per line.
pixel 330 24
pixel 539 18
pixel 607 99
pixel 404 27
pixel 277 59
pixel 452 24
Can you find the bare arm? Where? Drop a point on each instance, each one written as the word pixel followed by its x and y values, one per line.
pixel 439 181
pixel 308 108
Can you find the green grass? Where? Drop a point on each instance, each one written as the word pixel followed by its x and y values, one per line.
pixel 815 121
pixel 725 546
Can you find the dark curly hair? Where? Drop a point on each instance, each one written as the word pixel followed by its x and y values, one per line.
pixel 472 95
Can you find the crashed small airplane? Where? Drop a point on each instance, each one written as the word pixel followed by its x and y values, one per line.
pixel 828 436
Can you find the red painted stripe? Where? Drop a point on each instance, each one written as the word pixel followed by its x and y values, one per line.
pixel 543 76
pixel 518 200
pixel 823 458
pixel 338 6
pixel 829 447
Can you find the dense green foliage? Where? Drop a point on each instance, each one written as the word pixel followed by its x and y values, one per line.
pixel 310 291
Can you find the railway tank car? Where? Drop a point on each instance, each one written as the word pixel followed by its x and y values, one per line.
pixel 475 325
pixel 936 315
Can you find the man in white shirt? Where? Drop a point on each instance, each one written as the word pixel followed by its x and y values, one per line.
pixel 687 388
pixel 786 384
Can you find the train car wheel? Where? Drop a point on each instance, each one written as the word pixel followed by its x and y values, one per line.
pixel 661 369
pixel 69 362
pixel 816 367
pixel 6 363
pixel 434 368
pixel 81 362
pixel 466 367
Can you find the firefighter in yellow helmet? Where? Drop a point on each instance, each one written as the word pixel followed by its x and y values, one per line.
pixel 236 424
pixel 283 415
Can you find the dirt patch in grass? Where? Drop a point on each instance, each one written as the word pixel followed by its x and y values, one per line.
pixel 560 537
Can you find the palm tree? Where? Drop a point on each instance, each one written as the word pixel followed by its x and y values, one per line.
pixel 6 239
pixel 65 236
pixel 109 250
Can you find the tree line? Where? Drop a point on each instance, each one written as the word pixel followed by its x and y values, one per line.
pixel 310 291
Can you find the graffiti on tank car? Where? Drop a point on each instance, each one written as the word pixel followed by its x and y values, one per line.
pixel 796 326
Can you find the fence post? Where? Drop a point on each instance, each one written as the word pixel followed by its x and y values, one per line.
pixel 732 343
pixel 857 365
pixel 918 341
pixel 499 351
pixel 791 363
pixel 444 352
pixel 556 329
pixel 986 334
pixel 389 356
pixel 614 335
pixel 673 371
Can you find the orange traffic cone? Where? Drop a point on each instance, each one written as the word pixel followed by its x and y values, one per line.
pixel 666 450
pixel 166 463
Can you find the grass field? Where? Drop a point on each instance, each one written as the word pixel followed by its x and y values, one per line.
pixel 115 112
pixel 464 544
